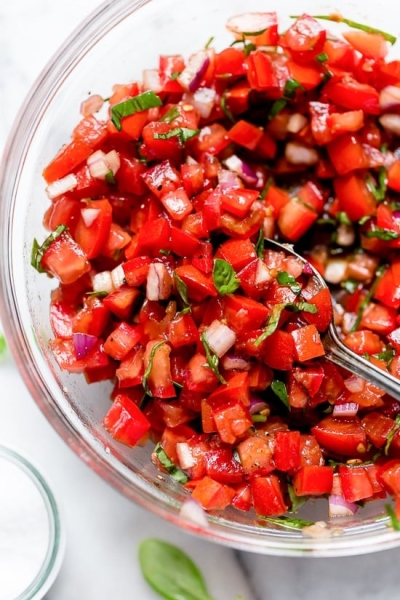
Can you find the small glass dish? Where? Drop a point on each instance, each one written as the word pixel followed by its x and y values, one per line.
pixel 32 538
pixel 114 45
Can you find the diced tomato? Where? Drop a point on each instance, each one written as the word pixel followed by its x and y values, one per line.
pixel 213 495
pixel 65 259
pixel 93 227
pixel 287 450
pixel 125 421
pixel 343 436
pixel 268 499
pixel 313 480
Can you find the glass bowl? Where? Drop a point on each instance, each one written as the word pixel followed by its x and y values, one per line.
pixel 114 45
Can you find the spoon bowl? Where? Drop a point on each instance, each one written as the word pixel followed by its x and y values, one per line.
pixel 335 350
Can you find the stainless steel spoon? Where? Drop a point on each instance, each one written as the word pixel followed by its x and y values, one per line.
pixel 337 352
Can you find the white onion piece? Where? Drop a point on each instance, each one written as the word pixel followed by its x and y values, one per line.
pixel 61 186
pixel 96 156
pixel 202 100
pixel 118 277
pixel 89 215
pixel 192 511
pixel 152 81
pixel 99 169
pixel 159 282
pixel 299 154
pixel 238 166
pixel 91 105
pixel 192 74
pixel 234 363
pixel 227 180
pixel 296 123
pixel 220 337
pixel 345 235
pixel 335 270
pixel 113 161
pixel 354 384
pixel 389 96
pixel 185 456
pixel 391 123
pixel 262 273
pixel 347 409
pixel 250 23
pixel 102 282
pixel 339 507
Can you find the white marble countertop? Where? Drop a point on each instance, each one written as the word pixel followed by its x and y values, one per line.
pixel 103 528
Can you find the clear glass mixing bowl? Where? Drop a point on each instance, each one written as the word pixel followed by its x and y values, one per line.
pixel 114 45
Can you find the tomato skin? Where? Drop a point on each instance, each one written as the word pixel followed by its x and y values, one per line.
pixel 222 467
pixel 252 314
pixel 343 436
pixel 126 422
pixel 295 219
pixel 354 196
pixel 238 253
pixel 159 381
pixel 92 238
pixel 61 319
pixel 68 158
pixel 267 495
pixel 313 480
pixel 353 95
pixel 256 456
pixel 232 420
pixel 389 475
pixel 287 450
pixel 122 340
pixel 307 343
pixel 213 495
pixel 280 351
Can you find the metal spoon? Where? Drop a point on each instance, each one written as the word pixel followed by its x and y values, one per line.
pixel 335 349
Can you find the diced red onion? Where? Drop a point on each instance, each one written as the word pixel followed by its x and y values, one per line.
pixel 185 456
pixel 192 74
pixel 89 215
pixel 220 337
pixel 113 161
pixel 256 405
pixel 61 186
pixel 347 409
pixel 262 273
pixel 396 214
pixel 227 180
pixel 102 282
pixel 338 507
pixel 159 282
pixel 296 123
pixel 192 511
pixel 238 166
pixel 389 96
pixel 118 277
pixel 335 270
pixel 91 105
pixel 202 100
pixel 307 269
pixel 234 363
pixel 391 122
pixel 152 80
pixel 354 384
pixel 299 154
pixel 83 343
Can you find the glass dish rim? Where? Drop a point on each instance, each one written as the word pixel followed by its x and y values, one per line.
pixel 72 51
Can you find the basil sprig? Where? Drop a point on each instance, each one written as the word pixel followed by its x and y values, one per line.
pixel 275 315
pixel 212 359
pixel 170 572
pixel 38 251
pixel 167 463
pixel 133 105
pixel 182 133
pixel 224 277
pixel 279 389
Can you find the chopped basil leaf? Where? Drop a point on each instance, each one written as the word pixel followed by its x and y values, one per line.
pixel 259 418
pixel 296 501
pixel 289 522
pixel 321 58
pixel 378 191
pixel 182 289
pixel 210 41
pixel 277 107
pixel 266 187
pixel 364 219
pixel 212 359
pixel 304 307
pixel 259 32
pixel 174 76
pixel 224 277
pixel 150 366
pixel 170 115
pixel 110 178
pixel 350 285
pixel 382 234
pixel 167 463
pixel 247 48
pixel 99 294
pixel 3 345
pixel 165 252
pixel 260 244
pixel 136 104
pixel 38 251
pixel 275 315
pixel 342 218
pixel 380 271
pixel 339 19
pixel 279 389
pixel 182 133
pixel 290 88
pixel 286 280
pixel 394 521
pixel 225 109
pixel 391 434
pixel 387 356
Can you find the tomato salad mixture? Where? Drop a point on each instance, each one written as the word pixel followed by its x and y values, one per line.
pixel 159 214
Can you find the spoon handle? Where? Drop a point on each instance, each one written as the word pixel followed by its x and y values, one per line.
pixel 342 356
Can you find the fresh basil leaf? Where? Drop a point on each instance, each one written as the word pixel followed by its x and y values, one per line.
pixel 322 57
pixel 259 418
pixel 379 273
pixel 290 88
pixel 378 190
pixel 167 463
pixel 364 219
pixel 260 244
pixel 289 522
pixel 182 289
pixel 296 501
pixel 165 252
pixel 146 374
pixel 38 251
pixel 387 356
pixel 277 107
pixel 275 315
pixel 342 218
pixel 170 115
pixel 394 521
pixel 212 359
pixel 133 105
pixel 110 178
pixel 225 109
pixel 392 433
pixel 279 389
pixel 170 572
pixel 182 133
pixel 303 307
pixel 286 280
pixel 350 285
pixel 339 19
pixel 99 294
pixel 174 76
pixel 266 187
pixel 210 41
pixel 224 277
pixel 382 234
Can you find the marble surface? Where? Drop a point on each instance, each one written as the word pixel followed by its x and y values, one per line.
pixel 103 528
